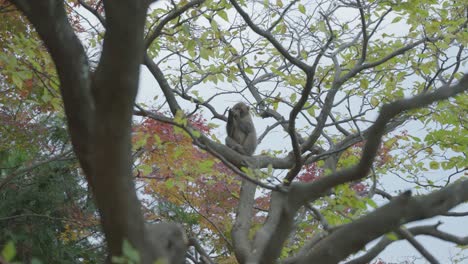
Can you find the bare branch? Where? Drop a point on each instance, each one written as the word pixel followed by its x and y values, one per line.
pixel 297 150
pixel 270 38
pixel 365 41
pixel 429 230
pixel 286 9
pixel 456 214
pixel 408 236
pixel 204 256
pixel 93 11
pixel 163 84
pixel 170 16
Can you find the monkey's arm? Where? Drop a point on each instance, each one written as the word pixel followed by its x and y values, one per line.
pixel 230 124
pixel 248 145
pixel 231 143
pixel 250 140
pixel 247 127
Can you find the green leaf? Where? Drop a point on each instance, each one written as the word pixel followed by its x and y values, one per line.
pixel 434 165
pixel 206 166
pixel 275 104
pixel 293 97
pixel 157 139
pixel 392 236
pixel 180 118
pixel 145 169
pixel 374 101
pixel 196 133
pixel 17 81
pixel 372 203
pixel 223 15
pixel 9 251
pixel 214 25
pixel 249 70
pixel 364 83
pixel 191 44
pixel 46 97
pixel 311 111
pixel 170 183
pixel 35 261
pixel 130 252
pixel 140 142
pixel 302 8
pixel 270 169
pixel 204 53
pixel 396 19
pixel 178 152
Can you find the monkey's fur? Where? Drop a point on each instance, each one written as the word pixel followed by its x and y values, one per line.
pixel 241 135
pixel 170 238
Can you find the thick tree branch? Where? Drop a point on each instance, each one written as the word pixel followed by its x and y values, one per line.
pixel 270 238
pixel 99 119
pixel 403 209
pixel 306 248
pixel 242 224
pixel 114 89
pixel 163 84
pixel 115 85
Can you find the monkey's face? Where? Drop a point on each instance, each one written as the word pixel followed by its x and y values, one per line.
pixel 240 110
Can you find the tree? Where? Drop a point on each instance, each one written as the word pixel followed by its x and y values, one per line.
pixel 57 235
pixel 303 66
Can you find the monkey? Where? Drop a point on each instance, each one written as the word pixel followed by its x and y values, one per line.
pixel 241 135
pixel 171 239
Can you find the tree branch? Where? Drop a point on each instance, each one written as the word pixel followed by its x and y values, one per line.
pixel 402 209
pixel 410 238
pixel 170 16
pixel 163 84
pixel 429 230
pixel 303 66
pixel 204 256
pixel 313 190
pixel 240 229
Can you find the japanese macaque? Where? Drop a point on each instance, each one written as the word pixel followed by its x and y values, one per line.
pixel 170 238
pixel 241 135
